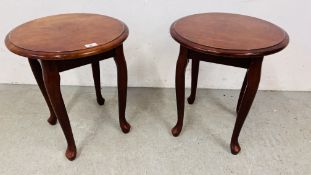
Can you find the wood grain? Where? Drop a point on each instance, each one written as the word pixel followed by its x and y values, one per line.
pixel 229 35
pixel 65 36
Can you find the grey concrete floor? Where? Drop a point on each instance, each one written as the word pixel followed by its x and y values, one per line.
pixel 276 138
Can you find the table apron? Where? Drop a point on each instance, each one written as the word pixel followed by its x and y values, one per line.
pixel 236 62
pixel 64 65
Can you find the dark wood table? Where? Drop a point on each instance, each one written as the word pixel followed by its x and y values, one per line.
pixel 229 39
pixel 58 43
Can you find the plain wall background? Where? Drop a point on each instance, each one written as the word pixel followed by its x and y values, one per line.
pixel 150 51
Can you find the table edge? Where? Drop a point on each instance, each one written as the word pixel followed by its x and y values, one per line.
pixel 229 52
pixel 68 54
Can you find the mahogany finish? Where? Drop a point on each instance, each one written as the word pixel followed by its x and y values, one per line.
pixel 58 43
pixel 64 37
pixel 228 39
pixel 229 35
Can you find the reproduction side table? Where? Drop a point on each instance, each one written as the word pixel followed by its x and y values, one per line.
pixel 58 43
pixel 229 39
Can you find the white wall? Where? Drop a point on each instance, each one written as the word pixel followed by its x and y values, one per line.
pixel 150 51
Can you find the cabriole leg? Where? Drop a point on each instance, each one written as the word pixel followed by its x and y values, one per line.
pixel 96 77
pixel 37 72
pixel 180 89
pixel 251 87
pixel 194 79
pixel 122 87
pixel 52 83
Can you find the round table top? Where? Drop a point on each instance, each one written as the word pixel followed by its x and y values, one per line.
pixel 66 36
pixel 233 35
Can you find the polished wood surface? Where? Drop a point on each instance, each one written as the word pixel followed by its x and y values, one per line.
pixel 229 35
pixel 55 44
pixel 66 36
pixel 227 39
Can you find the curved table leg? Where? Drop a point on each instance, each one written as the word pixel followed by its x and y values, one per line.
pixel 96 76
pixel 251 87
pixel 52 83
pixel 37 72
pixel 242 92
pixel 180 89
pixel 122 87
pixel 194 80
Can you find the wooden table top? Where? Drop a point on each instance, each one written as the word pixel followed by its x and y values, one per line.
pixel 230 35
pixel 66 36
